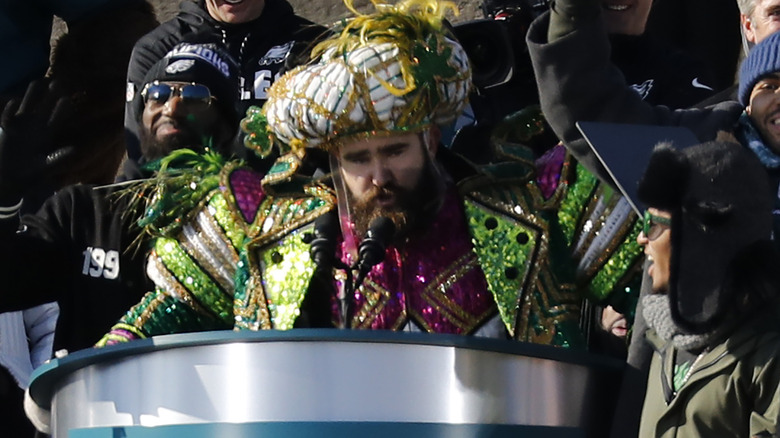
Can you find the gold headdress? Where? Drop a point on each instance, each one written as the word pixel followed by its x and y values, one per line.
pixel 395 70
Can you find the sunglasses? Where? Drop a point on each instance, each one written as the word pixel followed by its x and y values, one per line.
pixel 653 226
pixel 190 94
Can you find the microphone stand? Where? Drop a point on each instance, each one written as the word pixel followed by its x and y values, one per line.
pixel 370 252
pixel 346 294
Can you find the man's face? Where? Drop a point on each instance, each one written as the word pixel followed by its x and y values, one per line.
pixel 764 21
pixel 764 110
pixel 387 176
pixel 658 250
pixel 614 322
pixel 171 122
pixel 626 17
pixel 235 11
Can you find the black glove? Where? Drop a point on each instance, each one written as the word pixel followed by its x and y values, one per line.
pixel 566 14
pixel 29 154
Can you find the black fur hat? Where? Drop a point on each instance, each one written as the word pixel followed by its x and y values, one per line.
pixel 719 197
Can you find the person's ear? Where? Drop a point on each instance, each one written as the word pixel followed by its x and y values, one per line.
pixel 747 28
pixel 748 110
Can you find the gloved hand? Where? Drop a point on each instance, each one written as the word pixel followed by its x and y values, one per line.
pixel 29 153
pixel 566 14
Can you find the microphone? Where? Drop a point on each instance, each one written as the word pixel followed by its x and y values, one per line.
pixel 316 306
pixel 323 247
pixel 372 249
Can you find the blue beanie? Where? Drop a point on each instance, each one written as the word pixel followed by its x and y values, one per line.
pixel 763 59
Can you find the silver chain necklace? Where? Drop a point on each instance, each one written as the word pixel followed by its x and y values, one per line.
pixel 240 49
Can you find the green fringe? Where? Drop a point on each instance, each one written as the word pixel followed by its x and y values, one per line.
pixel 181 184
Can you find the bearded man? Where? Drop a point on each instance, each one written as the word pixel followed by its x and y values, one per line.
pixel 403 234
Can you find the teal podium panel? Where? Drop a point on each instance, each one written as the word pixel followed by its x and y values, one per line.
pixel 331 430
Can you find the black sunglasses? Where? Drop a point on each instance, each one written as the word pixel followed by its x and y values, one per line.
pixel 653 226
pixel 159 94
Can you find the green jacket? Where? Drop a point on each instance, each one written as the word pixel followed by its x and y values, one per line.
pixel 226 261
pixel 733 390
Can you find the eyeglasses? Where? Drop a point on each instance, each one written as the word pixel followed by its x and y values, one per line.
pixel 653 226
pixel 190 94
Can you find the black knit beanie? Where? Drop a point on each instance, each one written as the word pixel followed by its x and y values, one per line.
pixel 203 63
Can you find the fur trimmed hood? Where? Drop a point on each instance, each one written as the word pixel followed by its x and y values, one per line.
pixel 718 194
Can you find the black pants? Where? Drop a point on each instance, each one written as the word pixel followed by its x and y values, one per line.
pixel 14 421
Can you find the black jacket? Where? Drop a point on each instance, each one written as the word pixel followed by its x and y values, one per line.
pixel 77 251
pixel 263 48
pixel 661 74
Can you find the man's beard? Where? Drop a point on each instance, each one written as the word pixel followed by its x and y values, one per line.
pixel 411 211
pixel 153 148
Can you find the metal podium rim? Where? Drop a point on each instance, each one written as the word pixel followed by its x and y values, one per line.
pixel 44 378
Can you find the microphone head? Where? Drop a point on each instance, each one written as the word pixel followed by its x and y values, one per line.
pixel 323 247
pixel 382 229
pixel 372 248
pixel 327 225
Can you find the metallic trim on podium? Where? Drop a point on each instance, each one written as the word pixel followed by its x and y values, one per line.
pixel 323 375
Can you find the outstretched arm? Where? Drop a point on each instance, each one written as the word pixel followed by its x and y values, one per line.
pixel 570 53
pixel 194 277
pixel 186 298
pixel 29 264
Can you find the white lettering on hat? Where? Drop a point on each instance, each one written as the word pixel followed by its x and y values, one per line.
pixel 204 52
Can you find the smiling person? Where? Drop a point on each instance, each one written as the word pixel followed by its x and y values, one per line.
pixel 713 312
pixel 81 249
pixel 188 101
pixel 263 36
pixel 590 88
pixel 753 119
pixel 84 237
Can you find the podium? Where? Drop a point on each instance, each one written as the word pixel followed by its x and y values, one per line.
pixel 324 383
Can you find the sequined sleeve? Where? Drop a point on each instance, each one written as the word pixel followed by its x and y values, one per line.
pixel 194 278
pixel 601 229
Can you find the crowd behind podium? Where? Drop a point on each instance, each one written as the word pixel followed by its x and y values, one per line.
pixel 273 173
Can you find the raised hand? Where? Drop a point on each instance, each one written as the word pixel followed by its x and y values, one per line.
pixel 29 151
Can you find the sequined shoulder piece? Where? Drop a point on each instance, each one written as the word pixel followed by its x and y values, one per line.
pixel 272 281
pixel 184 183
pixel 283 179
pixel 521 256
pixel 246 187
pixel 283 214
pixel 509 244
pixel 601 228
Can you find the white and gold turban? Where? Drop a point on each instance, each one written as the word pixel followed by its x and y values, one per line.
pixel 395 70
